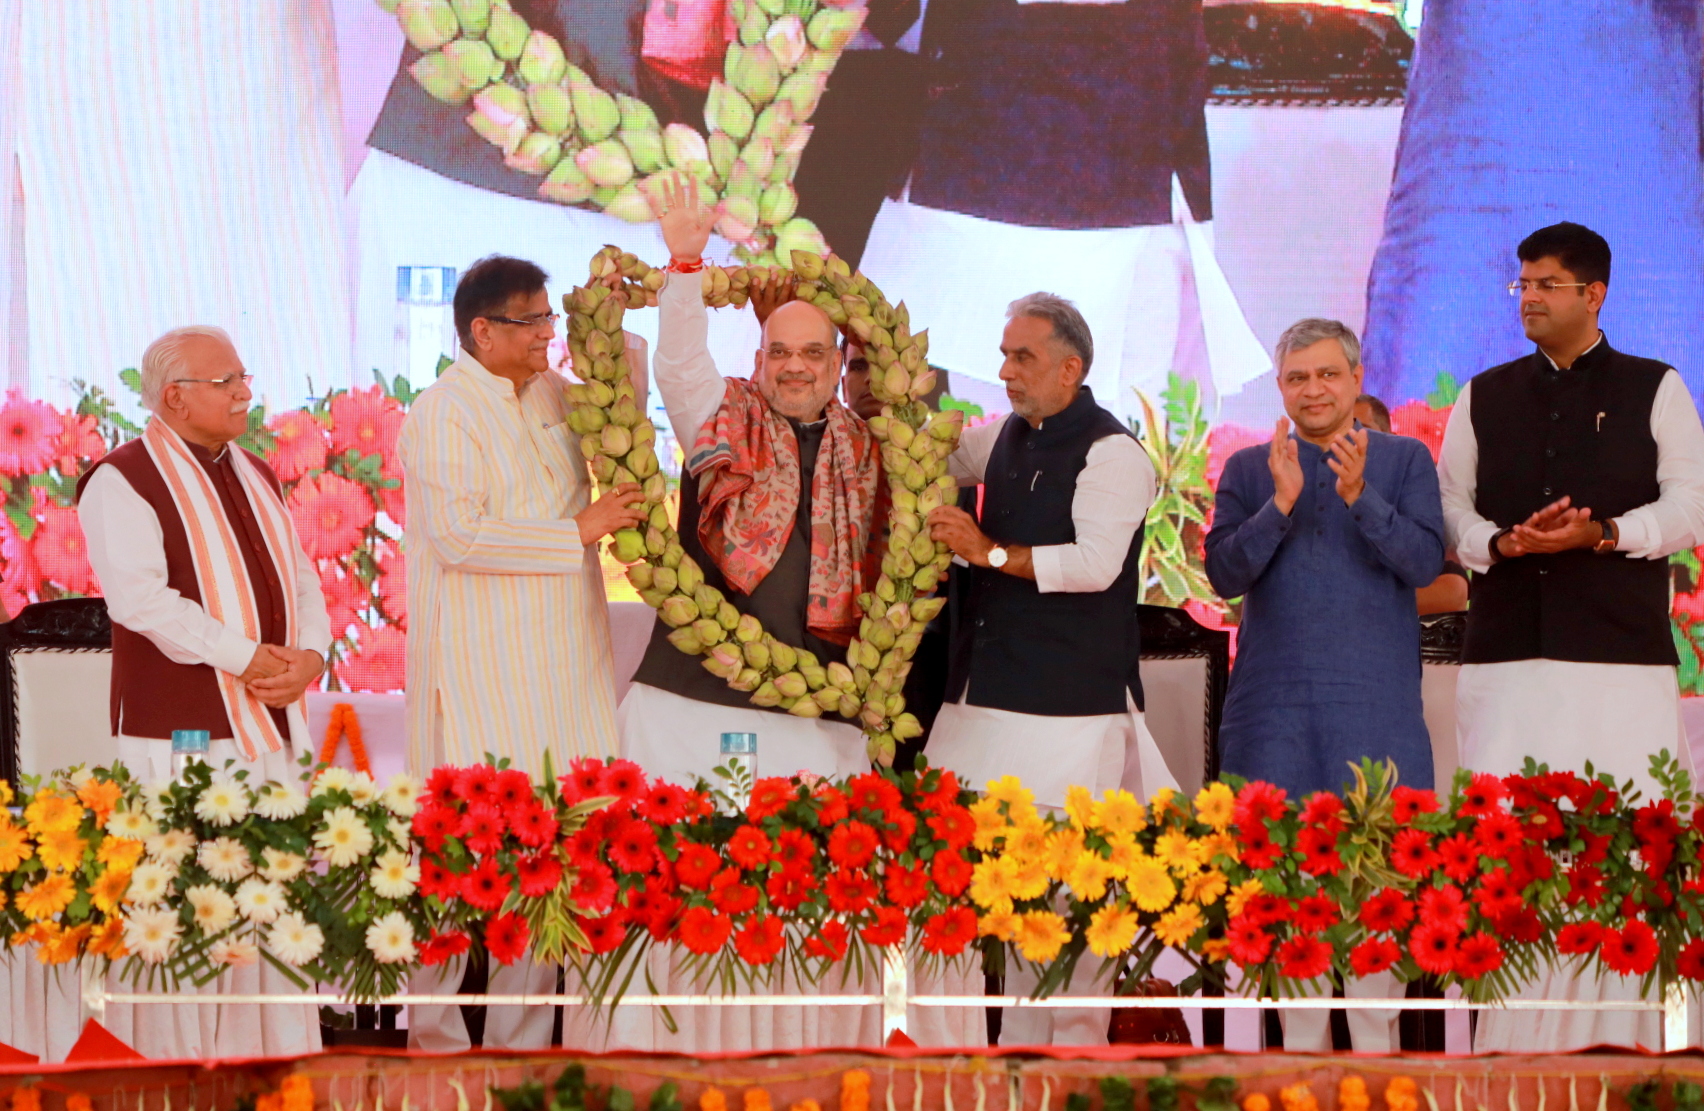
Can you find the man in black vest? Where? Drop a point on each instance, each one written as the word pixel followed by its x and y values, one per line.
pixel 1043 681
pixel 1568 477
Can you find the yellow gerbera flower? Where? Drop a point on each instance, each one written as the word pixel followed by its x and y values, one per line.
pixel 1163 803
pixel 65 946
pixel 1215 805
pixel 1124 852
pixel 1001 924
pixel 108 891
pixel 52 813
pixel 6 795
pixel 1178 852
pixel 1063 849
pixel 62 851
pixel 1031 879
pixel 100 796
pixel 1242 893
pixel 991 883
pixel 119 852
pixel 1216 845
pixel 1178 925
pixel 1150 885
pixel 1205 887
pixel 1216 948
pixel 47 898
pixel 1010 789
pixel 1088 876
pixel 14 845
pixel 991 824
pixel 1027 841
pixel 1041 934
pixel 1079 806
pixel 1120 812
pixel 1111 931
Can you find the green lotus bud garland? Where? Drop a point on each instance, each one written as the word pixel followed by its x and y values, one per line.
pixel 589 147
pixel 617 440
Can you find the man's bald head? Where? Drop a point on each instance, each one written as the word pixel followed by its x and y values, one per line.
pixel 798 367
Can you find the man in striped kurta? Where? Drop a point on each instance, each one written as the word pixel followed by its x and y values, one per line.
pixel 508 647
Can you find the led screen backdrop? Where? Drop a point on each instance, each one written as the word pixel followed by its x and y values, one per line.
pixel 1196 174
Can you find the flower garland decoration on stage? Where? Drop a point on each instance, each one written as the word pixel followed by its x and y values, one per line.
pixel 616 438
pixel 593 148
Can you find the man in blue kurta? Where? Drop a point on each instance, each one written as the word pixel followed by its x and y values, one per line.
pixel 1326 535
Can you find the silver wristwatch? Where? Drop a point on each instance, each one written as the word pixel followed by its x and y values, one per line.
pixel 996 558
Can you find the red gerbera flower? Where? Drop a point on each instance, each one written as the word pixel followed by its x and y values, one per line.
pixel 583 779
pixel 484 888
pixel 1585 884
pixel 594 889
pixel 769 797
pixel 794 851
pixel 437 880
pixel 1522 927
pixel 750 847
pixel 1595 850
pixel 1477 955
pixel 665 910
pixel 1374 955
pixel 832 807
pixel 441 784
pixel 696 865
pixel 636 905
pixel 1249 943
pixel 760 940
pixel 1443 906
pixel 944 794
pixel 906 887
pixel 1498 834
pixel 1655 822
pixel 512 789
pixel 887 927
pixel 507 937
pixel 789 890
pixel 432 824
pixel 1484 791
pixel 633 846
pixel 664 804
pixel 1459 856
pixel 1386 912
pixel 1579 937
pixel 1631 950
pixel 1411 853
pixel 901 827
pixel 474 784
pixel 1258 803
pixel 1315 914
pixel 441 947
pixel 1542 822
pixel 1254 848
pixel 1322 808
pixel 731 894
pixel 1434 947
pixel 874 792
pixel 604 933
pixel 624 779
pixel 1265 908
pixel 829 942
pixel 1498 895
pixel 852 844
pixel 948 933
pixel 1318 847
pixel 850 890
pixel 482 829
pixel 1591 797
pixel 1689 962
pixel 1303 958
pixel 955 826
pixel 951 873
pixel 1408 803
pixel 703 931
pixel 538 873
pixel 534 826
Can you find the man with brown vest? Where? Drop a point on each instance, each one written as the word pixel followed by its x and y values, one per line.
pixel 218 623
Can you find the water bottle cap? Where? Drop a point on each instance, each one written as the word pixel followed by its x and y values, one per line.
pixel 739 743
pixel 191 740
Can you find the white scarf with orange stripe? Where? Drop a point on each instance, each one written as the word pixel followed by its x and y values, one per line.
pixel 222 574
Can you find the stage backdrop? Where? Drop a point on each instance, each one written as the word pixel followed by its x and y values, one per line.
pixel 313 175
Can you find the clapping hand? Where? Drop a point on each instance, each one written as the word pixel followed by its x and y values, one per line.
pixel 1347 458
pixel 684 220
pixel 1557 527
pixel 1286 467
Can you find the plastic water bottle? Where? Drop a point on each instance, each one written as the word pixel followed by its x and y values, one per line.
pixel 739 757
pixel 188 745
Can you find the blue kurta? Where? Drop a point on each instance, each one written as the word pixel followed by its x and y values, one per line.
pixel 1328 653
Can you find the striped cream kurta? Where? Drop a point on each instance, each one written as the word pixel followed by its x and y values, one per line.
pixel 508 638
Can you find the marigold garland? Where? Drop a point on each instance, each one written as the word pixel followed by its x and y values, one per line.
pixel 345 724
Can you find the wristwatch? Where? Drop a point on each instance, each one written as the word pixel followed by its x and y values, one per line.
pixel 996 558
pixel 1611 537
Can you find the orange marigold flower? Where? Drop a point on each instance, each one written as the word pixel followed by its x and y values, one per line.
pixel 62 851
pixel 99 795
pixel 47 898
pixel 298 1093
pixel 119 852
pixel 854 1090
pixel 14 845
pixel 757 1099
pixel 78 1101
pixel 26 1099
pixel 712 1100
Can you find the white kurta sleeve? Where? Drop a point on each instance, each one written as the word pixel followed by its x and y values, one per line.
pixel 313 624
pixel 1676 519
pixel 1114 492
pixel 969 461
pixel 1458 481
pixel 127 550
pixel 691 387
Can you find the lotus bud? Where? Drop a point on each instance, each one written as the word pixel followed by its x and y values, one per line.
pixel 922 448
pixel 428 24
pixel 727 110
pixel 616 440
pixel 899 616
pixel 542 61
pixel 727 616
pixel 709 599
pixel 710 631
pixel 925 579
pixel 655 541
pixel 840 676
pixel 591 418
pixel 591 446
pixel 690 575
pixel 723 153
pixel 748 679
pixel 872 716
pixel 646 149
pixel 756 653
pixel 884 589
pixel 757 75
pixel 500 116
pixel 792 685
pixel 857 308
pixel 672 555
pixel 766 695
pixel 753 24
pixel 922 548
pixel 551 109
pixel 440 77
pixel 816 678
pixel 724 661
pixel 606 163
pixel 473 15
pixel 882 749
pixel 536 154
pixel 596 114
pixel 758 157
pixel 881 635
pixel 642 576
pixel 906 726
pixel 946 424
pixel 604 469
pixel 684 146
pixel 827 699
pixel 802 91
pixel 686 639
pixel 636 115
pixel 806 708
pixel 678 610
pixel 786 40
pixel 507 34
pixel 901 434
pixel 778 204
pixel 925 610
pixel 896 381
pixel 738 220
pixel 783 656
pixel 603 367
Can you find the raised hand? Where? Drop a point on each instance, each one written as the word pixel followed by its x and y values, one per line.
pixel 1286 465
pixel 1347 458
pixel 684 220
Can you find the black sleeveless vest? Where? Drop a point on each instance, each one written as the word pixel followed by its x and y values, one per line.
pixel 1057 654
pixel 1584 432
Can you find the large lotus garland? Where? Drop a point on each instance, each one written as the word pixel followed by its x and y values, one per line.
pixel 617 438
pixel 594 148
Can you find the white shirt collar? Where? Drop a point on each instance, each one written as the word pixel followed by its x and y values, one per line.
pixel 1578 357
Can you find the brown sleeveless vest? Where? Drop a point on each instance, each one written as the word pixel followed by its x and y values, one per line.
pixel 152 695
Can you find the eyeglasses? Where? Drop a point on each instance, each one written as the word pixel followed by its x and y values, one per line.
pixel 1543 285
pixel 226 383
pixel 544 320
pixel 814 355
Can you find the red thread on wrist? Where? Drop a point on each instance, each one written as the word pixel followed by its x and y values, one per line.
pixel 676 266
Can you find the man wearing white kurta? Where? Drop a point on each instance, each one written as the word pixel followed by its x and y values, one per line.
pixel 1043 680
pixel 509 650
pixel 1568 476
pixel 218 624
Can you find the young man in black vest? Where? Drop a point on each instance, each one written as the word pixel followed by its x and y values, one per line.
pixel 1568 477
pixel 1043 681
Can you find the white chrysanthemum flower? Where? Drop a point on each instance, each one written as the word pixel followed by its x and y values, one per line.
pixel 149 883
pixel 295 941
pixel 363 789
pixel 279 802
pixel 171 846
pixel 237 954
pixel 78 777
pixel 157 797
pixel 261 901
pixel 223 802
pixel 344 839
pixel 391 939
pixel 134 824
pixel 401 836
pixel 402 795
pixel 281 866
pixel 152 933
pixel 225 858
pixel 214 910
pixel 333 779
pixel 395 877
